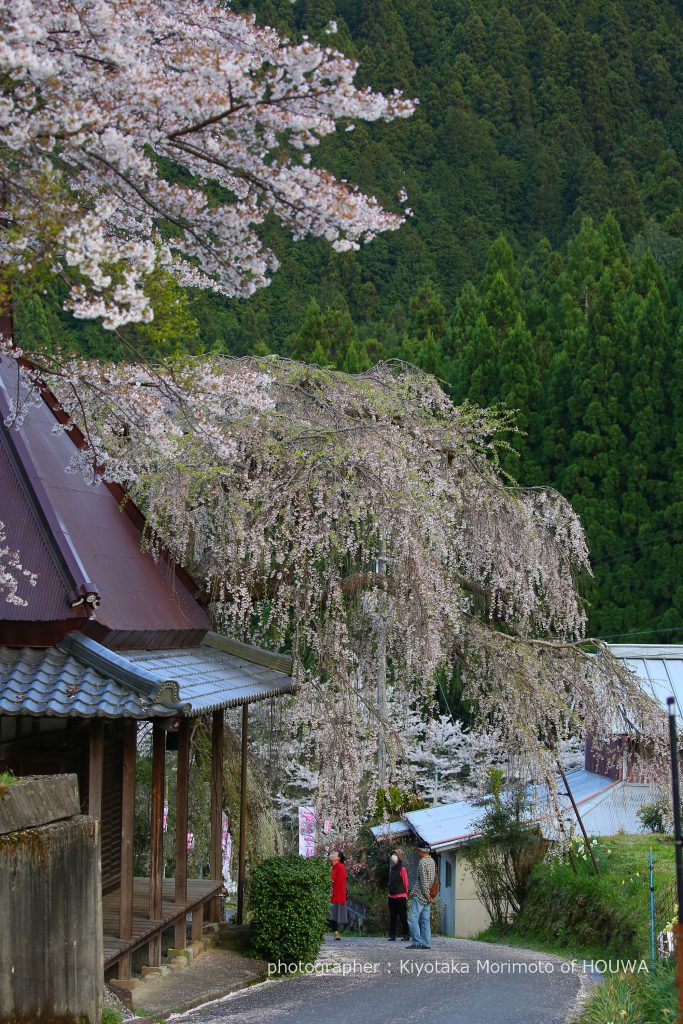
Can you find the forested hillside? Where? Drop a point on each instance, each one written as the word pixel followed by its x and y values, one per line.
pixel 541 264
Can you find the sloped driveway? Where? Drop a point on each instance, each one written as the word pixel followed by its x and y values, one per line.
pixel 373 981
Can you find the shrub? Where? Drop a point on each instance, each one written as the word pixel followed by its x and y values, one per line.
pixel 653 817
pixel 290 899
pixel 504 855
pixel 110 1016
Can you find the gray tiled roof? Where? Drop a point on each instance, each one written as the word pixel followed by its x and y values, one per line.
pixel 82 678
pixel 49 681
pixel 209 678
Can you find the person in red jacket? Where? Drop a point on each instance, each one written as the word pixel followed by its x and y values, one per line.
pixel 398 895
pixel 338 914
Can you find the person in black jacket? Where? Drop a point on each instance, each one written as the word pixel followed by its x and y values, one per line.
pixel 398 895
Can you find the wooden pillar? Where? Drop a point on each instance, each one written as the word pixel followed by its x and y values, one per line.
pixel 96 767
pixel 217 737
pixel 156 852
pixel 181 804
pixel 198 922
pixel 130 727
pixel 243 816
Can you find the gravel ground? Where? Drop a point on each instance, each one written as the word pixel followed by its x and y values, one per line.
pixel 372 981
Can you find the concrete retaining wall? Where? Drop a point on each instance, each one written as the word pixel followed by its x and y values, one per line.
pixel 51 961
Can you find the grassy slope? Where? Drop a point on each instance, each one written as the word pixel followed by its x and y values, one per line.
pixel 634 999
pixel 585 916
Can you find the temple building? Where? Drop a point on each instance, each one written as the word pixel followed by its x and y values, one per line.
pixel 110 638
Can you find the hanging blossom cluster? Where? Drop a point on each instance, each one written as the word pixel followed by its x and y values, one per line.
pixel 340 516
pixel 437 759
pixel 12 571
pixel 115 115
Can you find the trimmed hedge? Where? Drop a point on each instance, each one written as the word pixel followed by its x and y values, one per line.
pixel 289 900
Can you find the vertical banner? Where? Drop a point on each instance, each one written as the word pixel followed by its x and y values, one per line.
pixel 226 847
pixel 307 825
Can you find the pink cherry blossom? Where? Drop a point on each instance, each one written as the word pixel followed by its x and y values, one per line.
pixel 280 485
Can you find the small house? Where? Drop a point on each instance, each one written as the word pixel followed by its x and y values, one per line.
pixel 609 791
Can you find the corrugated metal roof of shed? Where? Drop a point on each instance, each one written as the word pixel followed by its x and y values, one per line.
pixel 662 675
pixel 446 823
pixel 450 825
pixel 390 829
pixel 617 810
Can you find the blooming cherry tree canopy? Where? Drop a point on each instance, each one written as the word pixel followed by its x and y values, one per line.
pixel 330 514
pixel 114 116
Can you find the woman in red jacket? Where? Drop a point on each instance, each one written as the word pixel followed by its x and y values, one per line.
pixel 398 895
pixel 338 915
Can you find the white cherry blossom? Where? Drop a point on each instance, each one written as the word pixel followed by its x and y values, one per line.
pixel 114 115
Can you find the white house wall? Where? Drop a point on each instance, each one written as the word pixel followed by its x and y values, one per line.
pixel 468 916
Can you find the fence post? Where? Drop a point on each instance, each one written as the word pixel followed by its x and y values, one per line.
pixel 652 908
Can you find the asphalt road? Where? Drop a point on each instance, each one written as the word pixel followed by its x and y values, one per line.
pixel 373 981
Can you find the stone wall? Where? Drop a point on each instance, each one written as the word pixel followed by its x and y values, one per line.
pixel 51 962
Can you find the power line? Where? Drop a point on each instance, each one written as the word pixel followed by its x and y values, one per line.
pixel 642 632
pixel 638 546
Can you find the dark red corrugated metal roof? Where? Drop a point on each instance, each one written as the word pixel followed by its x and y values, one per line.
pixel 75 536
pixel 49 601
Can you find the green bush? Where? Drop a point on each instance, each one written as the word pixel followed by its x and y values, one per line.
pixel 290 899
pixel 653 817
pixel 110 1016
pixel 503 856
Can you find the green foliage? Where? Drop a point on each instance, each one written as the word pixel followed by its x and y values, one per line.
pixel 528 120
pixel 393 802
pixel 653 817
pixel 289 899
pixel 503 856
pixel 6 780
pixel 110 1016
pixel 636 998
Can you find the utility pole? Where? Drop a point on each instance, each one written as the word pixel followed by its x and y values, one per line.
pixel 579 819
pixel 381 570
pixel 678 849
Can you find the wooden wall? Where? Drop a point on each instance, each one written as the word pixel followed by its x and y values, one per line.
pixel 53 746
pixel 51 960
